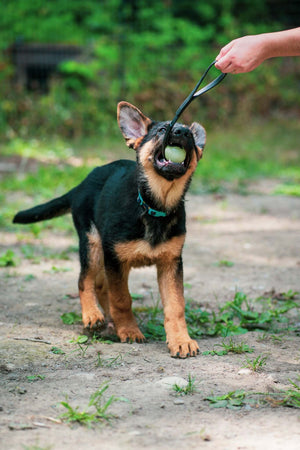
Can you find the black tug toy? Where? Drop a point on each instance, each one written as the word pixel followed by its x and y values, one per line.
pixel 194 94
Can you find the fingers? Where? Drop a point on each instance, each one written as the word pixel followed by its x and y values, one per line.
pixel 242 55
pixel 225 64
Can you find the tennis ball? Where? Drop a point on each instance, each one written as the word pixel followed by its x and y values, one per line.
pixel 175 154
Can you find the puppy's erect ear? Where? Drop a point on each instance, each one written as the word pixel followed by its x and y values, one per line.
pixel 133 124
pixel 199 137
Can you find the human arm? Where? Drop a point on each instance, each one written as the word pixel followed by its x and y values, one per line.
pixel 246 53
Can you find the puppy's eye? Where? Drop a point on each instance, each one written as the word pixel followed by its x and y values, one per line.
pixel 162 129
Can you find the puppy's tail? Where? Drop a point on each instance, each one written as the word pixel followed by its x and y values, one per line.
pixel 54 208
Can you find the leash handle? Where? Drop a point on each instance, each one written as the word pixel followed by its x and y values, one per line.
pixel 194 94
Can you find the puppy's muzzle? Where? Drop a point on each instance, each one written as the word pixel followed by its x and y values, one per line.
pixel 182 137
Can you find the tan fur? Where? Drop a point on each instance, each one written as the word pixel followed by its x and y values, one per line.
pixel 120 308
pixel 91 314
pixel 95 249
pixel 139 253
pixel 199 151
pixel 93 284
pixel 171 291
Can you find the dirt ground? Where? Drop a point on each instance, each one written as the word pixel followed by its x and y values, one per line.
pixel 260 234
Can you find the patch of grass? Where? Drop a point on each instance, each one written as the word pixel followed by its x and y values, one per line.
pixel 151 322
pixel 230 347
pixel 55 269
pixel 273 295
pixel 276 339
pixel 29 277
pixel 32 378
pixel 232 400
pixel 57 351
pixel 255 364
pixel 237 316
pixel 288 189
pixel 8 259
pixel 237 399
pixel 189 389
pixel 70 318
pixel 268 318
pixel 137 296
pixel 114 361
pixel 82 343
pixel 96 411
pixel 105 340
pixel 224 263
pixel 289 397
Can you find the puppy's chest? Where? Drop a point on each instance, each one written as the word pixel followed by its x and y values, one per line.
pixel 140 253
pixel 156 242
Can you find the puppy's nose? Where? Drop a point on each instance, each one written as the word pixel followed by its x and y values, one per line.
pixel 181 132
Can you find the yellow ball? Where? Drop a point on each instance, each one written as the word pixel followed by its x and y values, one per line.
pixel 175 154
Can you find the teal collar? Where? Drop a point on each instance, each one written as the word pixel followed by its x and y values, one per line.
pixel 150 211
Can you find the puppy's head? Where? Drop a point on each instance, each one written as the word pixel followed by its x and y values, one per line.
pixel 146 137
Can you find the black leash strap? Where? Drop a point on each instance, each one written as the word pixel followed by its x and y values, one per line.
pixel 194 94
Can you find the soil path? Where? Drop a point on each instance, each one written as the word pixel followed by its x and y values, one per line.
pixel 260 234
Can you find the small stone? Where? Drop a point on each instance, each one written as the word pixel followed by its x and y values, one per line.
pixel 169 382
pixel 244 371
pixel 7 367
pixel 178 401
pixel 272 378
pixel 134 433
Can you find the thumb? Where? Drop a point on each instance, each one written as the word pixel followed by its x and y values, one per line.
pixel 224 50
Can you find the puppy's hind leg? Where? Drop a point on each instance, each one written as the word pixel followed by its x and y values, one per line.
pixel 101 287
pixel 90 250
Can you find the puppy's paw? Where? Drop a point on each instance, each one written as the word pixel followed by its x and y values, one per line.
pixel 183 348
pixel 92 318
pixel 131 334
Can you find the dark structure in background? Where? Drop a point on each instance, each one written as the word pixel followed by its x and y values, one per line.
pixel 35 63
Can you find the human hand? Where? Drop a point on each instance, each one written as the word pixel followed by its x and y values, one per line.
pixel 243 54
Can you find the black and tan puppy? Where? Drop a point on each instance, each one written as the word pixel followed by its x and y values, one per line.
pixel 128 215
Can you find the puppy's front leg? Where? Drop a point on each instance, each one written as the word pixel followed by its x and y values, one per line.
pixel 170 280
pixel 120 307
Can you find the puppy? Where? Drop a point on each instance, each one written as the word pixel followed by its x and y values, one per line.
pixel 131 214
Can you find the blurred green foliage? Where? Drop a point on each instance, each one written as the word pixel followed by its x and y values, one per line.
pixel 148 53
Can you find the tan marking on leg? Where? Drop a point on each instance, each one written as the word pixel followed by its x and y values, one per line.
pixel 120 309
pixel 171 290
pixel 166 257
pixel 88 291
pixel 101 289
pixel 91 314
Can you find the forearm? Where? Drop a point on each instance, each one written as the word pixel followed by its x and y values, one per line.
pixel 282 43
